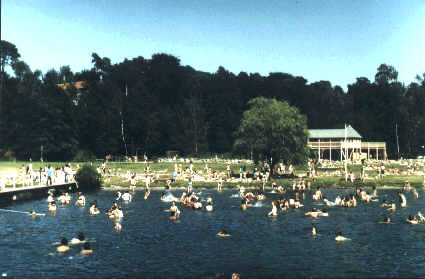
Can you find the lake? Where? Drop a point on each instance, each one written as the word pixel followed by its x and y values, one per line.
pixel 151 246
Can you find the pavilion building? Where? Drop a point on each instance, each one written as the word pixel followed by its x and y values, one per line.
pixel 341 144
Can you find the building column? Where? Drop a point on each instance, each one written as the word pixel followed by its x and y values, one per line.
pixel 330 150
pixel 319 149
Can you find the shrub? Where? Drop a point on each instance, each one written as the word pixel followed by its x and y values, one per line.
pixel 87 177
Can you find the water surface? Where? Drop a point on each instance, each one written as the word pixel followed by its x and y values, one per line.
pixel 151 246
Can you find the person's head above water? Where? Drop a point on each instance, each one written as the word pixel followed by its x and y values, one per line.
pixel 80 236
pixel 64 241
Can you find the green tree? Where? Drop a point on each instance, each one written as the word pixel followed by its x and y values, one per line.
pixel 273 129
pixel 9 55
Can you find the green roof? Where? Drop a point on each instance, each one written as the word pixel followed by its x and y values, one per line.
pixel 334 133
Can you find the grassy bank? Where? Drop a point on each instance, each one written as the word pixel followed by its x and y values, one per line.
pixel 326 175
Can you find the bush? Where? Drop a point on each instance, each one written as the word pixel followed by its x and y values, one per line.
pixel 87 177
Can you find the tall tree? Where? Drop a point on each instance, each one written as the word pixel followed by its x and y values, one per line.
pixel 273 129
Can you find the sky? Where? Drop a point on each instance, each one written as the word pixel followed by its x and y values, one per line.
pixel 333 40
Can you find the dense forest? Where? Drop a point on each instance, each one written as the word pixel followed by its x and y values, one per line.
pixel 157 105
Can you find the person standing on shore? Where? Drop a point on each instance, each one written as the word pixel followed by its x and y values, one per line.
pixel 49 175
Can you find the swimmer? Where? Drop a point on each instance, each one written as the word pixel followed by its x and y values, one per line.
pixel 338 200
pixel 393 206
pixel 52 206
pixel 183 198
pixel 273 213
pixel 402 199
pixel 93 209
pixel 412 220
pixel 314 213
pixel 385 204
pixel 327 202
pixel 147 193
pixel 415 193
pixel 81 201
pixel 236 275
pixel 339 237
pixel 67 198
pixel 78 240
pixel 32 213
pixel 86 249
pixel 50 198
pixel 244 204
pixel 174 211
pixel 314 231
pixel 62 199
pixel 209 206
pixel 118 212
pixel 223 233
pixel 126 197
pixel 260 197
pixel 117 226
pixel 197 204
pixel 64 246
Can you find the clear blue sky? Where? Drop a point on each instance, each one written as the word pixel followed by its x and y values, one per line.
pixel 333 40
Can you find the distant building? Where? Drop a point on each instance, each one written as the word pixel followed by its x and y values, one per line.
pixel 336 144
pixel 77 84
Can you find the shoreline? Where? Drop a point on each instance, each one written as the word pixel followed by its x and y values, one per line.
pixel 161 188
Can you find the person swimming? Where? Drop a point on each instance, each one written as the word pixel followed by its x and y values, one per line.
pixel 78 240
pixel 64 246
pixel 50 198
pixel 415 193
pixel 387 220
pixel 223 233
pixel 126 197
pixel 339 237
pixel 174 211
pixel 385 204
pixel 93 209
pixel 117 226
pixel 209 206
pixel 412 220
pixel 62 199
pixel 147 193
pixel 314 213
pixel 393 206
pixel 52 206
pixel 244 204
pixel 273 213
pixel 86 249
pixel 81 201
pixel 314 231
pixel 32 213
pixel 402 199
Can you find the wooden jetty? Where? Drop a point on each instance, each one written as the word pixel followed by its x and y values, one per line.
pixel 25 193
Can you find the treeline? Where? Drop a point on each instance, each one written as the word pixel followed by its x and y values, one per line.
pixel 155 105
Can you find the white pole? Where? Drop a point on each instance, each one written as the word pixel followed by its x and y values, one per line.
pixel 346 153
